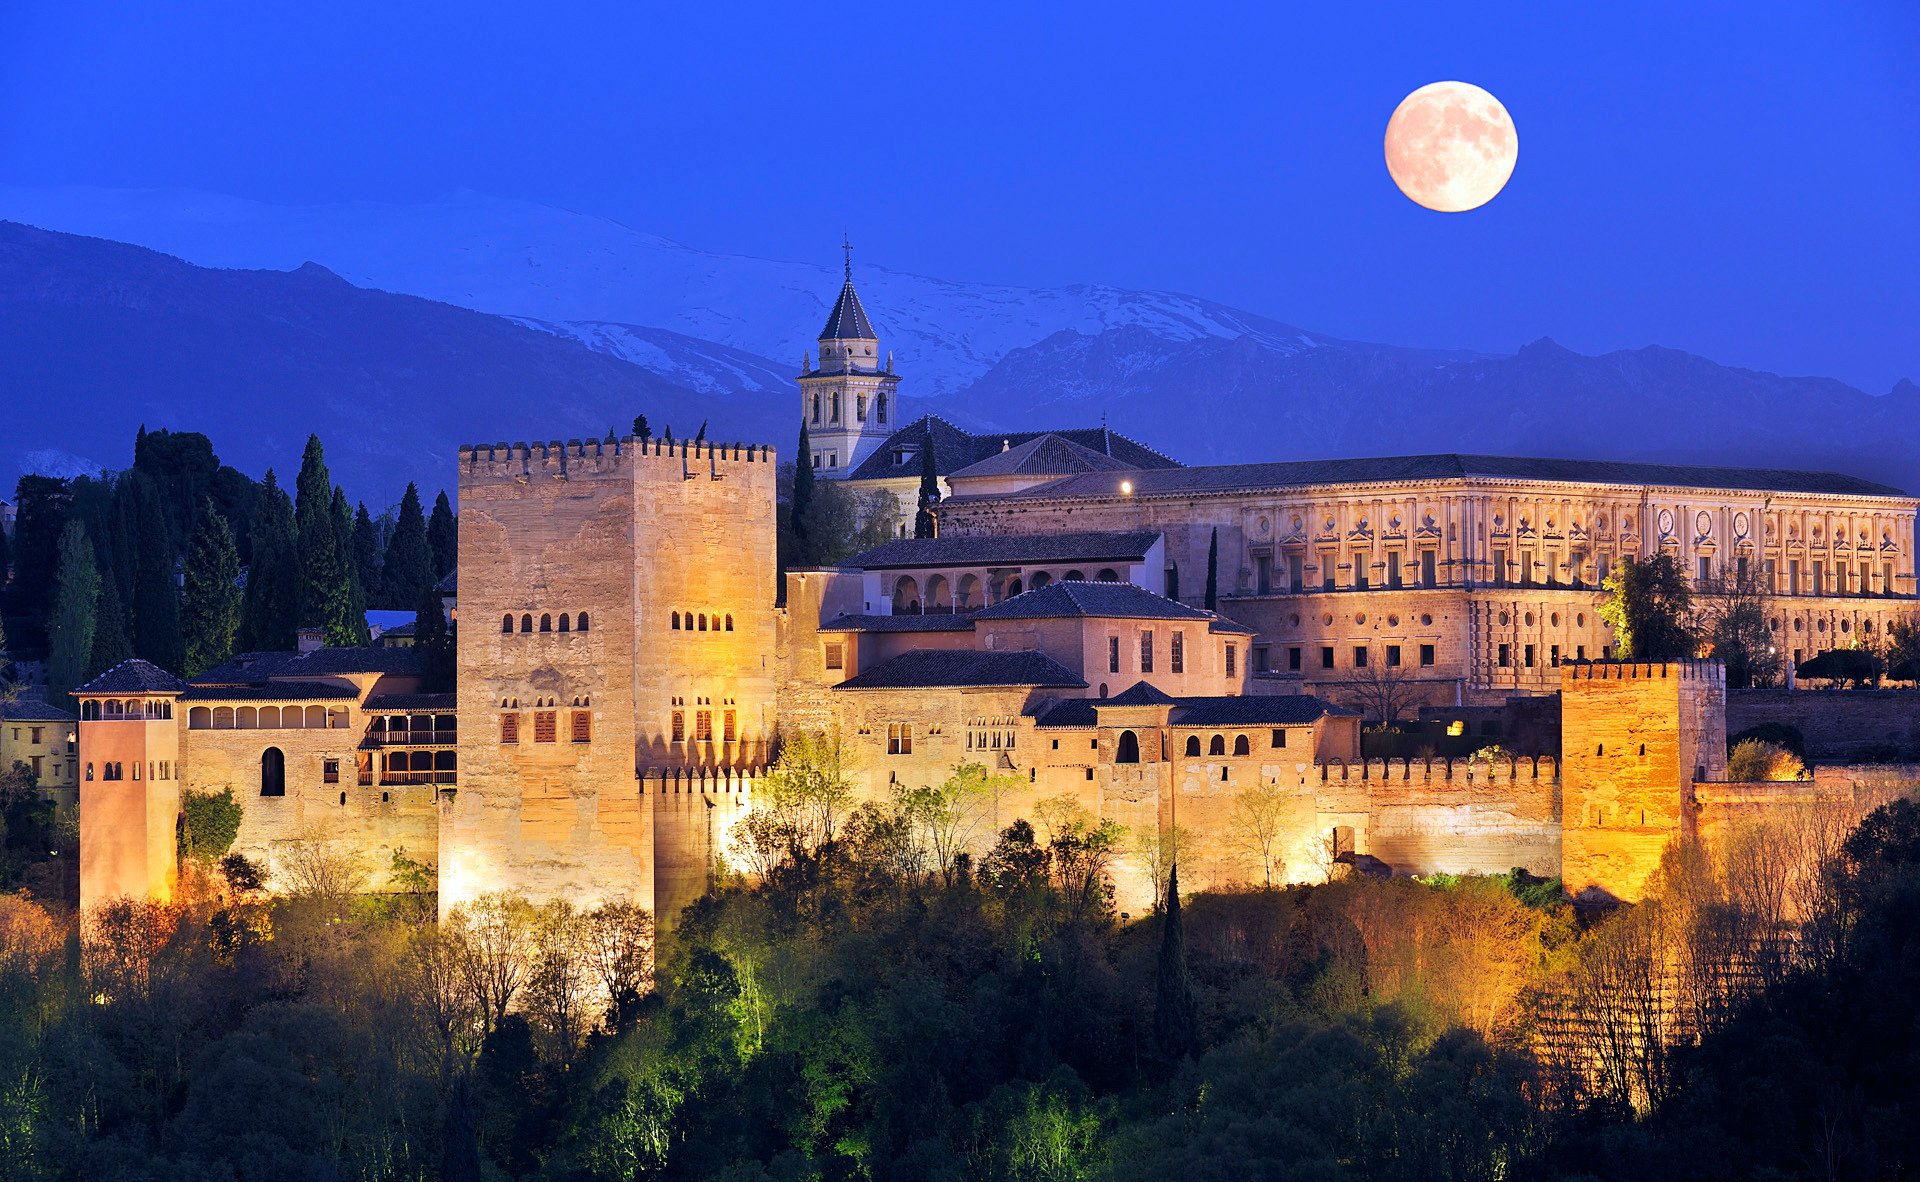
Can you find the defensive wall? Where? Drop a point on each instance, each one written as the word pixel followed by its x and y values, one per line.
pixel 1839 726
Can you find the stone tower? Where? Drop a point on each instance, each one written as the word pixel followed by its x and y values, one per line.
pixel 849 399
pixel 129 784
pixel 1634 738
pixel 617 641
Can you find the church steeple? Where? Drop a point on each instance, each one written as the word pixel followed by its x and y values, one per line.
pixel 849 401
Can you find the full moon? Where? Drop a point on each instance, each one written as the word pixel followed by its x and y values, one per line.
pixel 1451 146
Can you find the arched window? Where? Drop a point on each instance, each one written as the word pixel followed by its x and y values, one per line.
pixel 729 621
pixel 1193 744
pixel 703 621
pixel 1241 746
pixel 906 596
pixel 506 624
pixel 566 625
pixel 546 622
pixel 199 718
pixel 89 772
pixel 1041 579
pixel 273 772
pixel 1217 745
pixel 676 621
pixel 1108 575
pixel 1014 587
pixel 316 717
pixel 582 625
pixel 1075 576
pixel 679 726
pixel 526 623
pixel 90 710
pixel 1129 750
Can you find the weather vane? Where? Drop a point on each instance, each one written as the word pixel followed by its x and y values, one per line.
pixel 846 244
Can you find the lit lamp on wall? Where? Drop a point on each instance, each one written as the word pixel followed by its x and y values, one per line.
pixel 1126 488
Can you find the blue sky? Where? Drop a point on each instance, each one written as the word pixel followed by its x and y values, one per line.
pixel 1740 180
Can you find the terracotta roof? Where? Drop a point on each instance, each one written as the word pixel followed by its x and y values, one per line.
pixel 1296 473
pixel 960 667
pixel 936 622
pixel 134 676
pixel 1070 599
pixel 955 449
pixel 1047 455
pixel 1007 549
pixel 848 320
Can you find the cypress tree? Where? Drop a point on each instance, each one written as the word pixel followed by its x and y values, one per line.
pixel 1175 1015
pixel 212 615
pixel 701 435
pixel 1173 581
pixel 924 525
pixel 640 428
pixel 800 505
pixel 270 609
pixel 408 569
pixel 366 552
pixel 1213 570
pixel 326 578
pixel 43 505
pixel 443 536
pixel 76 594
pixel 110 635
pixel 356 608
pixel 6 557
pixel 156 602
pixel 434 642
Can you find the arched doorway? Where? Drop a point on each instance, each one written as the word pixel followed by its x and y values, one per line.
pixel 1129 749
pixel 273 772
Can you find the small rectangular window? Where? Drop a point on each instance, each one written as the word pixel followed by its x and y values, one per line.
pixel 679 730
pixel 703 726
pixel 1231 653
pixel 1146 652
pixel 836 657
pixel 1499 568
pixel 1279 736
pixel 583 726
pixel 1359 656
pixel 1177 653
pixel 1529 656
pixel 899 738
pixel 36 733
pixel 1393 569
pixel 727 727
pixel 1113 654
pixel 1427 578
pixel 1293 658
pixel 1262 659
pixel 1393 656
pixel 329 771
pixel 1326 656
pixel 1553 655
pixel 1426 656
pixel 546 726
pixel 1506 655
pixel 509 728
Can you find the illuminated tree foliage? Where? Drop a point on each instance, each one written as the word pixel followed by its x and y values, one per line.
pixel 1649 607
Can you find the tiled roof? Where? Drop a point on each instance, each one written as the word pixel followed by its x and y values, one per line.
pixel 276 691
pixel 34 710
pixel 1067 599
pixel 435 702
pixel 937 622
pixel 1073 712
pixel 1047 455
pixel 848 320
pixel 134 676
pixel 1255 710
pixel 1451 466
pixel 962 667
pixel 954 449
pixel 254 668
pixel 1007 549
pixel 1141 693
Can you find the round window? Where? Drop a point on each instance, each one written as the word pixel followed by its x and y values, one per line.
pixel 1529 619
pixel 1819 625
pixel 1846 626
pixel 1359 617
pixel 1799 625
pixel 1295 619
pixel 1580 621
pixel 1327 619
pixel 1554 619
pixel 1503 618
pixel 1393 621
pixel 1425 619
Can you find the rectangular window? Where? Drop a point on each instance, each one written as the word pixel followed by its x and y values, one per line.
pixel 1359 574
pixel 1177 652
pixel 1293 658
pixel 583 726
pixel 1393 569
pixel 1326 572
pixel 1553 569
pixel 1526 570
pixel 1262 659
pixel 836 657
pixel 1231 671
pixel 1263 573
pixel 1819 577
pixel 899 738
pixel 1296 573
pixel 1740 567
pixel 36 733
pixel 1279 736
pixel 703 726
pixel 1866 578
pixel 1506 655
pixel 1553 655
pixel 36 765
pixel 1706 568
pixel 1359 656
pixel 1326 656
pixel 1579 652
pixel 679 731
pixel 509 728
pixel 1499 568
pixel 1886 579
pixel 329 771
pixel 1393 656
pixel 1426 568
pixel 546 726
pixel 1529 656
pixel 1426 656
pixel 1146 652
pixel 1113 654
pixel 728 731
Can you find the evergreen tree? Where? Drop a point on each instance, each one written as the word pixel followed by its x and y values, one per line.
pixel 800 503
pixel 701 435
pixel 111 639
pixel 42 504
pixel 70 624
pixel 1648 607
pixel 434 642
pixel 1175 1015
pixel 640 428
pixel 270 609
pixel 366 552
pixel 156 601
pixel 443 536
pixel 924 524
pixel 326 576
pixel 668 437
pixel 408 569
pixel 1173 581
pixel 1213 571
pixel 356 609
pixel 6 557
pixel 212 615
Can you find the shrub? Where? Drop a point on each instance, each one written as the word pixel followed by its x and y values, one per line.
pixel 1756 759
pixel 1778 733
pixel 211 820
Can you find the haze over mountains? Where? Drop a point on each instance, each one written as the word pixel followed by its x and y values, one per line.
pixel 423 326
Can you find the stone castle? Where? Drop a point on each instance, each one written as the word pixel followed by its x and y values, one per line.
pixel 629 657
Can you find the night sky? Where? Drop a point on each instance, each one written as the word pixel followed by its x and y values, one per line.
pixel 1737 179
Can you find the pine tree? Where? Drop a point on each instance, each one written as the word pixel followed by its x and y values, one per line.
pixel 408 569
pixel 800 503
pixel 1175 1015
pixel 212 614
pixel 434 642
pixel 443 536
pixel 156 601
pixel 270 610
pixel 924 525
pixel 76 594
pixel 326 579
pixel 1213 571
pixel 366 552
pixel 111 639
pixel 356 607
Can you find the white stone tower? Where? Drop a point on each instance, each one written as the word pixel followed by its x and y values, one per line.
pixel 849 400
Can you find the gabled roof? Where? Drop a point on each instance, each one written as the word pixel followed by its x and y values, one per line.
pixel 954 449
pixel 1141 693
pixel 1007 549
pixel 1454 466
pixel 255 668
pixel 848 320
pixel 936 622
pixel 931 668
pixel 1045 455
pixel 134 676
pixel 1072 599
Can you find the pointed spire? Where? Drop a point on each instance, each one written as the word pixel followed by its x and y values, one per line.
pixel 846 244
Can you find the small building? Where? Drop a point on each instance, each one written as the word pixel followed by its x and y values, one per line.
pixel 47 740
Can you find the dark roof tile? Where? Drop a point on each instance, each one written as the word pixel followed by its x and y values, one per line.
pixel 1255 710
pixel 848 320
pixel 937 622
pixel 1048 455
pixel 254 668
pixel 434 702
pixel 1068 599
pixel 962 668
pixel 1007 549
pixel 34 710
pixel 954 449
pixel 275 691
pixel 134 676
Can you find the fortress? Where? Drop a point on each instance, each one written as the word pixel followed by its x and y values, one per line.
pixel 630 657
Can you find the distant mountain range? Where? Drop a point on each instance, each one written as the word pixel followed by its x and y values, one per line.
pixel 554 324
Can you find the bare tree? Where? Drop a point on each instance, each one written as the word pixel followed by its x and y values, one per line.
pixel 620 947
pixel 1160 847
pixel 1259 827
pixel 1381 691
pixel 495 936
pixel 561 984
pixel 314 866
pixel 1729 614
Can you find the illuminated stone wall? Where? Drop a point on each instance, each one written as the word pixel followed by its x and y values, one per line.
pixel 128 843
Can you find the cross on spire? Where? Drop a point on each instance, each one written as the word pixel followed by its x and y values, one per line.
pixel 846 244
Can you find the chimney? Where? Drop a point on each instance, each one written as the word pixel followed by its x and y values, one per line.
pixel 308 640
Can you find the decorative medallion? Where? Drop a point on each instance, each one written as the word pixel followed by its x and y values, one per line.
pixel 1740 524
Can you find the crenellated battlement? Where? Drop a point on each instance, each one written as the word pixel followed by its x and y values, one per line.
pixel 1711 672
pixel 590 457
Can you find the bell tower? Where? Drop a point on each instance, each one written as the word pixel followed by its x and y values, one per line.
pixel 848 401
